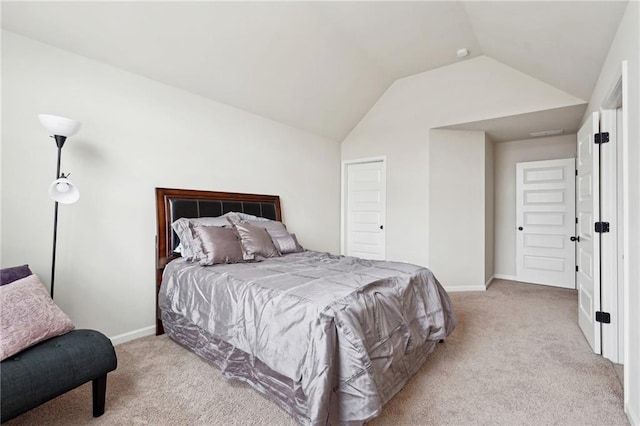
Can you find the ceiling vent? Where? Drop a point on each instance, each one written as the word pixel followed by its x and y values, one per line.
pixel 547 133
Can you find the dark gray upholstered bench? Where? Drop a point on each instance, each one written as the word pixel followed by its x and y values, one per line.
pixel 53 367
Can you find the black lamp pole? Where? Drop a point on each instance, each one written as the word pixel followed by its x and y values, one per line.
pixel 60 143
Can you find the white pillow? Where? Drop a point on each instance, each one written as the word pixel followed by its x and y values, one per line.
pixel 236 217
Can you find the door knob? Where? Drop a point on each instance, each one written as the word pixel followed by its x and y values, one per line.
pixel 575 238
pixel 520 228
pixel 381 227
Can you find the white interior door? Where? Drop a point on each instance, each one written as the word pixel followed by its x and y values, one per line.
pixel 588 248
pixel 545 197
pixel 364 220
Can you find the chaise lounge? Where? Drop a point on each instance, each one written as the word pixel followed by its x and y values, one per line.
pixel 42 355
pixel 53 367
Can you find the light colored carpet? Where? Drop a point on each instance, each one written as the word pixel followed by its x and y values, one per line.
pixel 517 357
pixel 619 368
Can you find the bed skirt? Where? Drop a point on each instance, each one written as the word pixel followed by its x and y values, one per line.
pixel 285 392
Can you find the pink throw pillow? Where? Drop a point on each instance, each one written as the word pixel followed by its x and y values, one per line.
pixel 28 316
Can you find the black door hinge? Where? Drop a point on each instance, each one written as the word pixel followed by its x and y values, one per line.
pixel 602 227
pixel 576 172
pixel 602 137
pixel 603 317
pixel 576 268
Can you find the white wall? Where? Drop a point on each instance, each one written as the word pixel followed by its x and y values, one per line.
pixel 457 208
pixel 489 209
pixel 507 154
pixel 626 46
pixel 398 127
pixel 137 134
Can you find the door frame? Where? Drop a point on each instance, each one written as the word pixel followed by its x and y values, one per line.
pixel 343 195
pixel 615 269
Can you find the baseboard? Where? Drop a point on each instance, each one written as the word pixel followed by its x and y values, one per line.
pixel 505 277
pixel 454 289
pixel 135 334
pixel 489 281
pixel 633 417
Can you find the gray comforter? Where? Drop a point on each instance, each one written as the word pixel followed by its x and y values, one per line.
pixel 342 334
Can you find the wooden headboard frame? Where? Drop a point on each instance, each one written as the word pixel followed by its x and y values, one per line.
pixel 167 197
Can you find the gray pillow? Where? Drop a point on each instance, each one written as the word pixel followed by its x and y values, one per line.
pixel 181 226
pixel 287 244
pixel 274 228
pixel 216 245
pixel 255 242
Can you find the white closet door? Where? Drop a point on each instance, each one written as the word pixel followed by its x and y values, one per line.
pixel 545 197
pixel 365 210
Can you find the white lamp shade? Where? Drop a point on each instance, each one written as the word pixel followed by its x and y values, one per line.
pixel 63 191
pixel 60 126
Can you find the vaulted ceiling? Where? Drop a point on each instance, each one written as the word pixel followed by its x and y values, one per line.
pixel 320 66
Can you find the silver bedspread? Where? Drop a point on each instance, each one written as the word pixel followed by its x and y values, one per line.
pixel 342 334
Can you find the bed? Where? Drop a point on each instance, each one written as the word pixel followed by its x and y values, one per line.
pixel 330 339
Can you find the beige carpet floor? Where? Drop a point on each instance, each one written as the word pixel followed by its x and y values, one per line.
pixel 517 357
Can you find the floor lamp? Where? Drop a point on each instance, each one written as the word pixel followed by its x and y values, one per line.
pixel 61 190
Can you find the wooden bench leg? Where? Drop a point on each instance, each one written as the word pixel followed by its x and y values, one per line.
pixel 99 395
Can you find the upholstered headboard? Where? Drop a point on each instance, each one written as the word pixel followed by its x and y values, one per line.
pixel 172 204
